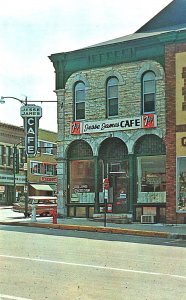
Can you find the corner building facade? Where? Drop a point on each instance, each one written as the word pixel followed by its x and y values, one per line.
pixel 112 124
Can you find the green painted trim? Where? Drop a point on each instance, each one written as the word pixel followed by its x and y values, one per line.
pixel 131 182
pixel 96 177
pixel 153 47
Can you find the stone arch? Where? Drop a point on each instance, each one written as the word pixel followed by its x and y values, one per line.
pixel 111 73
pixel 112 148
pixel 79 148
pixel 140 133
pixel 150 66
pixel 80 77
pixel 149 144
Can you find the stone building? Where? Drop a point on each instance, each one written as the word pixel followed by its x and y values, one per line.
pixel 115 121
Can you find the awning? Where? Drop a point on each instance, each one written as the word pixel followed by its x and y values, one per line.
pixel 42 187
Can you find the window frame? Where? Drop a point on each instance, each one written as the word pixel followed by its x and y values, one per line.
pixel 144 101
pixel 77 102
pixel 110 98
pixel 37 166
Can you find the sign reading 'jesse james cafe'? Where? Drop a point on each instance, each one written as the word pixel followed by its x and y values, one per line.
pixel 145 121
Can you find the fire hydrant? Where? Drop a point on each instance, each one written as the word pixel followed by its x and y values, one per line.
pixel 54 215
pixel 33 215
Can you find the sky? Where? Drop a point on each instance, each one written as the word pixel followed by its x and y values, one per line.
pixel 32 30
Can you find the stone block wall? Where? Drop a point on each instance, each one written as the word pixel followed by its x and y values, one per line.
pixel 129 75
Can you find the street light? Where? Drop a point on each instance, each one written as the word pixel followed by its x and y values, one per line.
pixel 25 102
pixel 2 101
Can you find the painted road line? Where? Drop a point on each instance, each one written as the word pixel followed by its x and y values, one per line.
pixel 2 297
pixel 93 266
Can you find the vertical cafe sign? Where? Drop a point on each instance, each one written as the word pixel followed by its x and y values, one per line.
pixel 31 115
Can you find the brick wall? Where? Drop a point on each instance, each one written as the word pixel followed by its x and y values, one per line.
pixel 170 140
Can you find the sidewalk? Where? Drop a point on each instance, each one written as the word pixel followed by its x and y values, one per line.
pixel 152 230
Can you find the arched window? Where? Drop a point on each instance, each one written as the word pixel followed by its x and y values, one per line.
pixel 148 93
pixel 79 101
pixel 112 97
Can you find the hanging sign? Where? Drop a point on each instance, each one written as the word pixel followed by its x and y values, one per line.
pixel 31 135
pixel 31 115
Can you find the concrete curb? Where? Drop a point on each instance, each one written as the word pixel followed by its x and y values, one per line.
pixel 98 229
pixel 137 232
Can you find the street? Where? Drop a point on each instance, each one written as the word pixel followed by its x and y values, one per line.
pixel 41 264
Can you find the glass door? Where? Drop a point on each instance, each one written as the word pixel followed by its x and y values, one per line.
pixel 118 175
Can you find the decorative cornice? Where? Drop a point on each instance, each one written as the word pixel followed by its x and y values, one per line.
pixel 143 48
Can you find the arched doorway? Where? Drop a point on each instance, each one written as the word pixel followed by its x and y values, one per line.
pixel 113 164
pixel 81 180
pixel 150 155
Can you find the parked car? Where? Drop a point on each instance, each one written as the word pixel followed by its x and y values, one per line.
pixel 44 205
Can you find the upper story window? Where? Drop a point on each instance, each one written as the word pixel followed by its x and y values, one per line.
pixel 35 167
pixel 40 168
pixel 47 147
pixel 50 169
pixel 79 101
pixel 149 92
pixel 112 97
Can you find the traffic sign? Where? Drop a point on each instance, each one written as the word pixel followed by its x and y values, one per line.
pixel 106 184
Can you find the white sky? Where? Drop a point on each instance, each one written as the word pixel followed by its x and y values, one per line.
pixel 32 30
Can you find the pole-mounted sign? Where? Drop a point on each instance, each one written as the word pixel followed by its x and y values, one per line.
pixel 31 115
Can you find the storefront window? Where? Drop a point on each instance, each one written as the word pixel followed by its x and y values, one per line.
pixel 151 179
pixel 181 184
pixel 82 189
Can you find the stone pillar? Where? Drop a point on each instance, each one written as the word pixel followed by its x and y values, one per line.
pixel 61 158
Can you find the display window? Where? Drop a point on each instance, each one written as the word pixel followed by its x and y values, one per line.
pixel 82 186
pixel 151 179
pixel 181 184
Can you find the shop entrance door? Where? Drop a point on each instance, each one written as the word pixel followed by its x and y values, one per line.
pixel 119 186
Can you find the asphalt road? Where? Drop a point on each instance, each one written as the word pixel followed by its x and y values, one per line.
pixel 45 264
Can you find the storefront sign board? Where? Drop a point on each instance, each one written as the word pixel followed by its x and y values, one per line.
pixel 145 121
pixel 48 179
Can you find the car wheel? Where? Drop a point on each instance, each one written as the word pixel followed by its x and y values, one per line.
pixel 26 215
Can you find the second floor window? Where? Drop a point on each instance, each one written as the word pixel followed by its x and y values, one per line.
pixel 35 168
pixel 50 169
pixel 40 168
pixel 79 101
pixel 112 97
pixel 47 147
pixel 149 93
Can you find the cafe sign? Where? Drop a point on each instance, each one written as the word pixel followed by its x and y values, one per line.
pixel 31 115
pixel 145 121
